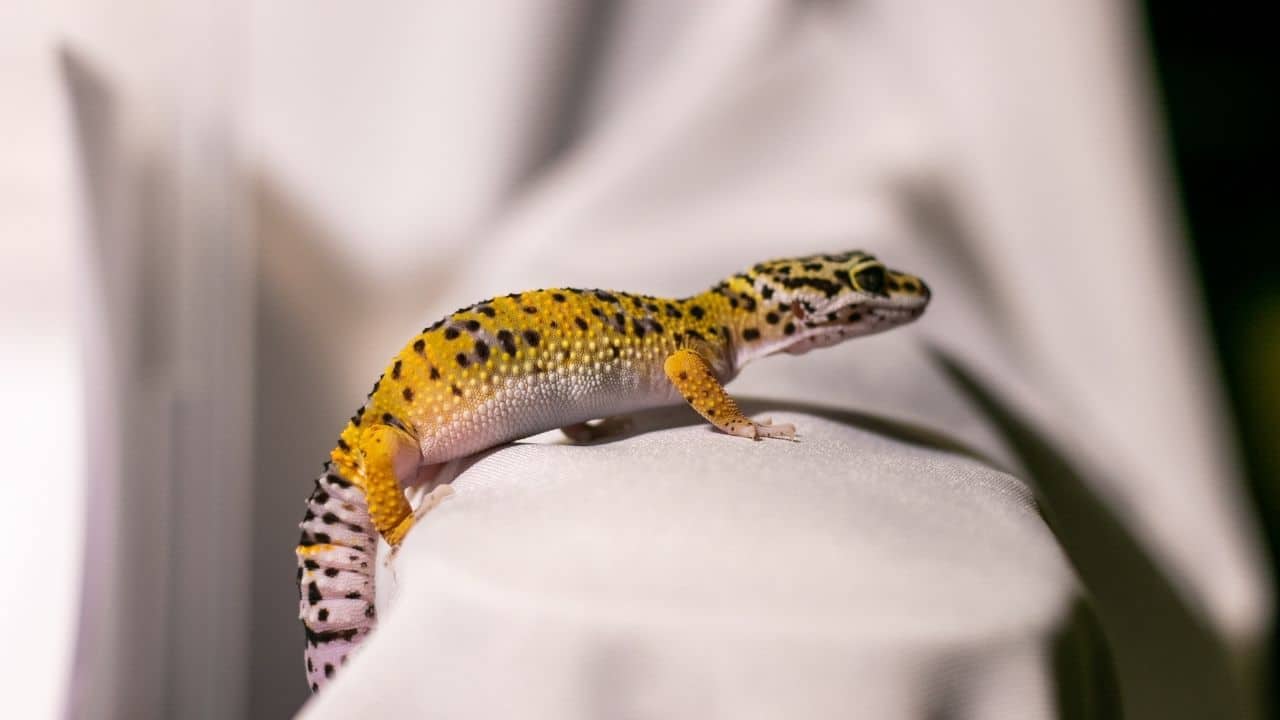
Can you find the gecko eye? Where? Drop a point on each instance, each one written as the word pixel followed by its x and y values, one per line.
pixel 871 280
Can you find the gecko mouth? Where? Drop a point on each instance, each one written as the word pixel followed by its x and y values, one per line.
pixel 856 314
pixel 829 327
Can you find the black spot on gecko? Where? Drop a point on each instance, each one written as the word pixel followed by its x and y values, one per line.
pixel 450 333
pixel 637 328
pixel 462 359
pixel 435 373
pixel 582 324
pixel 655 326
pixel 789 328
pixel 813 267
pixel 673 311
pixel 597 312
pixel 313 593
pixel 328 518
pixel 395 371
pixel 322 616
pixel 343 445
pixel 455 390
pixel 532 337
pixel 482 350
pixel 311 564
pixel 408 394
pixel 694 334
pixel 825 286
pixel 352 595
pixel 766 292
pixel 557 297
pixel 486 311
pixel 419 345
pixel 772 318
pixel 749 303
pixel 328 670
pixel 621 321
pixel 606 296
pixel 331 572
pixel 750 334
pixel 507 341
pixel 316 638
pixel 473 325
pixel 697 312
pixel 530 309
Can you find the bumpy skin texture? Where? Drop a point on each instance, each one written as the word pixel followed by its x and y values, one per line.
pixel 527 362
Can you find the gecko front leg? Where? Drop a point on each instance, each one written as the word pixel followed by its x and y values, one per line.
pixel 693 377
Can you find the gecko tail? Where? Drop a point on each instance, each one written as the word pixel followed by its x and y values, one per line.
pixel 335 575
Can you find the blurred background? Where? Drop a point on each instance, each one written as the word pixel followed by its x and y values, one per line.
pixel 221 219
pixel 1211 69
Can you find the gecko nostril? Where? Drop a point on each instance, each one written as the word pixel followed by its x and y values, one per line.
pixel 925 291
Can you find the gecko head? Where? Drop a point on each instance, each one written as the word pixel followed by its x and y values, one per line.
pixel 821 300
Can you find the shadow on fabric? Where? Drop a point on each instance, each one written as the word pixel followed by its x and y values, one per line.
pixel 1169 662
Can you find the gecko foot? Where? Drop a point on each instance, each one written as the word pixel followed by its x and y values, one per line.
pixel 764 428
pixel 426 505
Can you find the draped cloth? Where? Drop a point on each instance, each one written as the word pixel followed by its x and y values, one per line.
pixel 1046 433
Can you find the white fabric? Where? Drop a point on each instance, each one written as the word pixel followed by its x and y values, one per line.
pixel 40 373
pixel 765 129
pixel 679 572
pixel 408 158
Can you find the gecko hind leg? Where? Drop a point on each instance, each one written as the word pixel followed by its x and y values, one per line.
pixel 426 502
pixel 588 432
pixel 693 377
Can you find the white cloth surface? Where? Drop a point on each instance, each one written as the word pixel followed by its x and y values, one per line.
pixel 679 572
pixel 766 129
pixel 407 158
